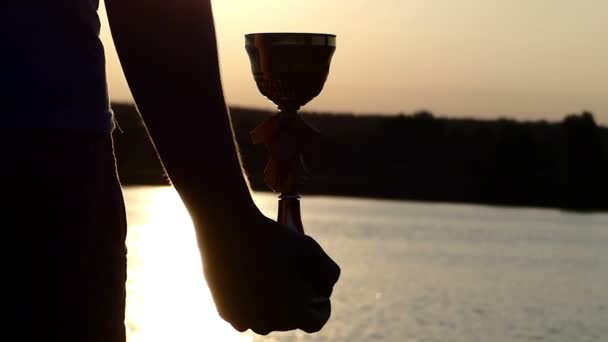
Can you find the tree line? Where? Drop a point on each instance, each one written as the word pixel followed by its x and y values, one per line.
pixel 420 157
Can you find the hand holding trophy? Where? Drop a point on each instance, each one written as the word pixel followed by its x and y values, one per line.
pixel 290 69
pixel 277 279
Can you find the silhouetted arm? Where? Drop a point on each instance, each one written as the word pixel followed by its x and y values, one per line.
pixel 168 52
pixel 262 275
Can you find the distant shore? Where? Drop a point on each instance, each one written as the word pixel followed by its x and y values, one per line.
pixel 422 158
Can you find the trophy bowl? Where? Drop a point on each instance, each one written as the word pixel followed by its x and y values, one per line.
pixel 290 69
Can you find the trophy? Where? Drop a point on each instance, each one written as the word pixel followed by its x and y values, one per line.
pixel 290 69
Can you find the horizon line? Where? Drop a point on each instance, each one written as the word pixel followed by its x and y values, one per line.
pixel 402 113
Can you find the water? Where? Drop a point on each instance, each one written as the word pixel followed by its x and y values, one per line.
pixel 411 272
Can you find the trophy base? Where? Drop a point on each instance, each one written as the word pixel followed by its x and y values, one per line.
pixel 289 212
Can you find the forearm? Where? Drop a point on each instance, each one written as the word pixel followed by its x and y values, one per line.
pixel 169 55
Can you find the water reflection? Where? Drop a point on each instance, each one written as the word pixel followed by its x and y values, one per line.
pixel 167 297
pixel 411 272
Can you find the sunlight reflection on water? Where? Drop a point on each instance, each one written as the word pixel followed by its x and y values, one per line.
pixel 410 272
pixel 167 296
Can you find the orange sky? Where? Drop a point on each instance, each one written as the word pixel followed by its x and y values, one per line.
pixel 533 59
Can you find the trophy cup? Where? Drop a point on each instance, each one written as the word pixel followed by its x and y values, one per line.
pixel 290 69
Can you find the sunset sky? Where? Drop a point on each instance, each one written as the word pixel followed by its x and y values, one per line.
pixel 525 59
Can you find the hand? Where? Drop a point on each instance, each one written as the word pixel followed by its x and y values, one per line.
pixel 269 278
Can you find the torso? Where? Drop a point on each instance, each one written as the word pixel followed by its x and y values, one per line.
pixel 53 66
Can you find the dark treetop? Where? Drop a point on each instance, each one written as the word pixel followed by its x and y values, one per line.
pixel 420 157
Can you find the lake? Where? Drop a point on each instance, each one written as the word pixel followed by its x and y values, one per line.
pixel 410 272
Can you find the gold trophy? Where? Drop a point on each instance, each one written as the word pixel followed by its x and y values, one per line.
pixel 290 69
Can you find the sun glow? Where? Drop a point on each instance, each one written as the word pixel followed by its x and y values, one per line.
pixel 522 59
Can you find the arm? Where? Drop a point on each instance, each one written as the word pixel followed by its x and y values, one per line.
pixel 261 275
pixel 168 53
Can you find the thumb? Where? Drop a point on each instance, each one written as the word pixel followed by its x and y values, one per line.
pixel 319 268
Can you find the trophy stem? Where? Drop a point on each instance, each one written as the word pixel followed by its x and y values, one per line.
pixel 289 211
pixel 286 117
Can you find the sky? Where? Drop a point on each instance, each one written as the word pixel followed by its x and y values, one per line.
pixel 522 59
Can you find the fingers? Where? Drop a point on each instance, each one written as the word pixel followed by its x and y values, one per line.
pixel 272 318
pixel 239 326
pixel 284 294
pixel 322 270
pixel 320 273
pixel 309 315
pixel 317 315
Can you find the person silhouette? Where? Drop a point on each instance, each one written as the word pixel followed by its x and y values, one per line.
pixel 64 211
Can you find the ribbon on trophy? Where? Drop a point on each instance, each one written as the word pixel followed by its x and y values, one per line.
pixel 291 145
